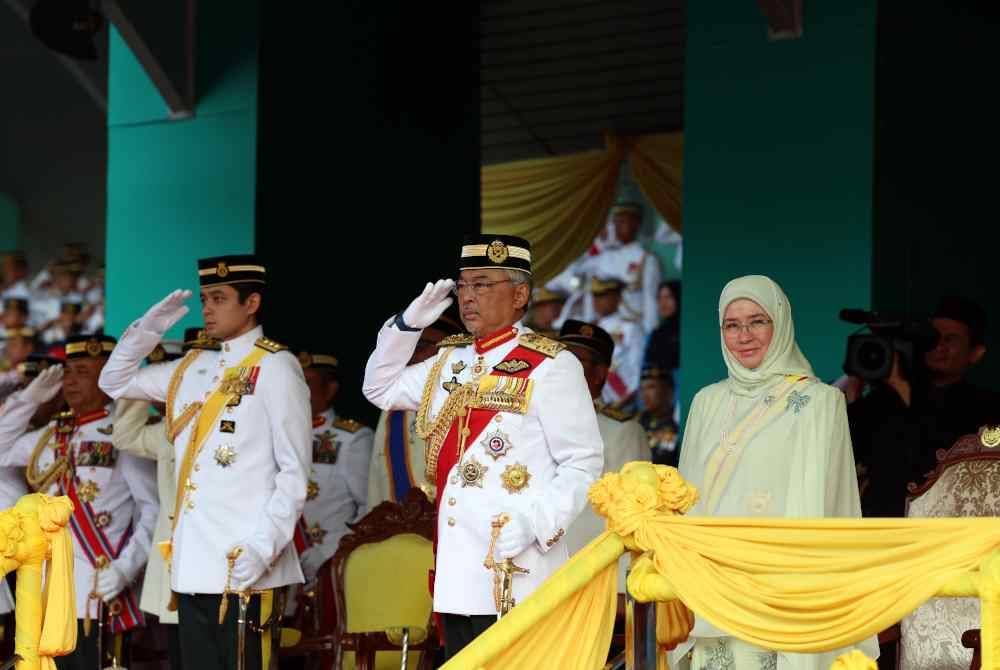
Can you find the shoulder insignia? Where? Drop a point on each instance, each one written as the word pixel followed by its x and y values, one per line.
pixel 541 344
pixel 269 345
pixel 616 413
pixel 456 341
pixel 350 425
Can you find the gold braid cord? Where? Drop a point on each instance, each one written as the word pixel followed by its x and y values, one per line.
pixel 41 481
pixel 175 427
pixel 434 432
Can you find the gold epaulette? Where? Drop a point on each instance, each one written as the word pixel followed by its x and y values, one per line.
pixel 456 341
pixel 541 344
pixel 616 413
pixel 350 425
pixel 269 345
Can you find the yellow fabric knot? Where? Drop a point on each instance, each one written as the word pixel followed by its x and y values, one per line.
pixel 54 513
pixel 854 660
pixel 636 495
pixel 11 534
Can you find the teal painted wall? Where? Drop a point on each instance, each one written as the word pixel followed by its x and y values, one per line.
pixel 778 172
pixel 10 223
pixel 180 190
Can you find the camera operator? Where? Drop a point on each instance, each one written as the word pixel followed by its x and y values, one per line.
pixel 922 405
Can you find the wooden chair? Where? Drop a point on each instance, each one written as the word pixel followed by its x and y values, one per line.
pixel 965 482
pixel 380 587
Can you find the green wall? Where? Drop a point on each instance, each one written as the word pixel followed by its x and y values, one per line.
pixel 778 172
pixel 10 223
pixel 180 189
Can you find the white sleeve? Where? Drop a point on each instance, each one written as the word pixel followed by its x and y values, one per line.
pixel 15 415
pixel 569 423
pixel 357 458
pixel 389 382
pixel 378 481
pixel 842 497
pixel 140 475
pixel 133 435
pixel 286 399
pixel 121 376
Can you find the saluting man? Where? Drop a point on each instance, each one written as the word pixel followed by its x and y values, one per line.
pixel 114 494
pixel 239 422
pixel 511 430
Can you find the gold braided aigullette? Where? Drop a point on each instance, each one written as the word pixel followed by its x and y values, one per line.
pixel 41 481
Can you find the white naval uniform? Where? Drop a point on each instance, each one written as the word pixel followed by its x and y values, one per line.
pixel 125 495
pixel 557 440
pixel 624 442
pixel 640 270
pixel 379 486
pixel 626 361
pixel 248 486
pixel 135 435
pixel 341 451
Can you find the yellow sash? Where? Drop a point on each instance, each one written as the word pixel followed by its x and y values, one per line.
pixel 209 412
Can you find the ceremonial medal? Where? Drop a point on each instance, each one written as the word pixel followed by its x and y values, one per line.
pixel 515 478
pixel 497 444
pixel 473 472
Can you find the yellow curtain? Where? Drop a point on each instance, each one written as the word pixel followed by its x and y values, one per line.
pixel 559 204
pixel 803 585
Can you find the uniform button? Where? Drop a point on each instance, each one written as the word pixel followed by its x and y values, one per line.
pixel 451 521
pixel 226 346
pixel 197 467
pixel 451 501
pixel 498 419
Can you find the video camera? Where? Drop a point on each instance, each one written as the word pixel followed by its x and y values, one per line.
pixel 870 355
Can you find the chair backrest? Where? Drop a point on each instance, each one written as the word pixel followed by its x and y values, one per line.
pixel 380 572
pixel 966 482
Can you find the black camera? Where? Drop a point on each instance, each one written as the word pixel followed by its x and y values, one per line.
pixel 870 355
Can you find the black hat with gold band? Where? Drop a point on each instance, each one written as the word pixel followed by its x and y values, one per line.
pixel 599 286
pixel 89 346
pixel 32 366
pixel 226 270
pixel 589 336
pixel 23 332
pixel 656 373
pixel 73 307
pixel 634 208
pixel 487 252
pixel 163 354
pixel 543 295
pixel 197 338
pixel 16 304
pixel 308 359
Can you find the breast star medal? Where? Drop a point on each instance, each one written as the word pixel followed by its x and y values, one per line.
pixel 473 472
pixel 515 478
pixel 456 368
pixel 497 444
pixel 102 519
pixel 315 534
pixel 88 490
pixel 312 490
pixel 225 456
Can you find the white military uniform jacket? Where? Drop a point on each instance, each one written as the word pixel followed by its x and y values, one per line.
pixel 134 434
pixel 120 488
pixel 380 486
pixel 338 481
pixel 248 483
pixel 626 361
pixel 624 442
pixel 640 270
pixel 555 442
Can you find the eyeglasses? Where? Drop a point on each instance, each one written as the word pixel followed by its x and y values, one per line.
pixel 756 327
pixel 478 287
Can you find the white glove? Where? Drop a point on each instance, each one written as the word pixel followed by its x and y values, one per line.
pixel 429 305
pixel 515 536
pixel 312 561
pixel 248 568
pixel 110 582
pixel 45 386
pixel 164 314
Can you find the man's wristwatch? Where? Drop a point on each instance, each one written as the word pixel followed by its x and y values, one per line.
pixel 401 325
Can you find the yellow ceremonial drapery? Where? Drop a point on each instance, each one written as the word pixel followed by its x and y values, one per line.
pixel 803 585
pixel 32 533
pixel 559 204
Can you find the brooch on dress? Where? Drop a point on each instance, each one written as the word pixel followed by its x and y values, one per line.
pixel 796 401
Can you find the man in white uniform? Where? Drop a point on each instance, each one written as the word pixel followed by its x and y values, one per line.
pixel 239 421
pixel 512 432
pixel 623 378
pixel 113 494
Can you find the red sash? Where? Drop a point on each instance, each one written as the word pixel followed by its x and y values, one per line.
pixel 123 612
pixel 301 535
pixel 479 419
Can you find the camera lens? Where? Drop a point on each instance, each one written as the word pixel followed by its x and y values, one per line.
pixel 871 356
